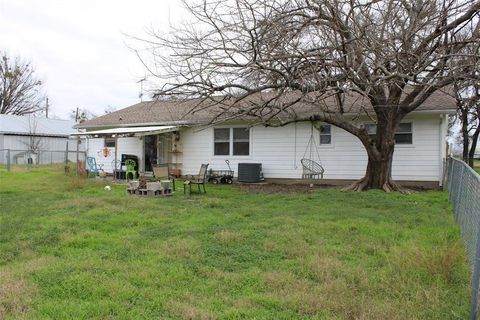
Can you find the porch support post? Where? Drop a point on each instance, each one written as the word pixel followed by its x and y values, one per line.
pixel 115 161
pixel 77 155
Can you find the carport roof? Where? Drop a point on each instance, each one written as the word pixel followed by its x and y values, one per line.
pixel 38 126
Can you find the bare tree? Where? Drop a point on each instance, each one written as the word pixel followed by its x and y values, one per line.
pixel 267 60
pixel 110 109
pixel 34 143
pixel 467 95
pixel 20 90
pixel 468 114
pixel 83 114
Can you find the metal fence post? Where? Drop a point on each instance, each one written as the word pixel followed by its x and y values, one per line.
pixel 8 159
pixel 475 279
pixel 456 203
pixel 451 178
pixel 449 173
pixel 66 155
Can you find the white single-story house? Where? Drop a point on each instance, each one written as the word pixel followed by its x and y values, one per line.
pixel 161 132
pixel 36 139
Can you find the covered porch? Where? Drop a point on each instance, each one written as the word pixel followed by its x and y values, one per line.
pixel 147 146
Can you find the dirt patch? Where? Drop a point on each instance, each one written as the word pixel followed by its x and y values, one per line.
pixel 289 188
pixel 271 188
pixel 228 236
pixel 188 308
pixel 179 248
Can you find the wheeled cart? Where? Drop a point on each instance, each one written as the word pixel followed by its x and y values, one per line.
pixel 221 176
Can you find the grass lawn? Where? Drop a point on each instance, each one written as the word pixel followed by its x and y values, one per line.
pixel 70 250
pixel 476 165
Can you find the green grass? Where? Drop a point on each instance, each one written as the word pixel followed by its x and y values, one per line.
pixel 70 250
pixel 476 165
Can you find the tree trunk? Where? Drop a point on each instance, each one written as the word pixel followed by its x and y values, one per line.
pixel 378 174
pixel 465 137
pixel 473 147
pixel 380 156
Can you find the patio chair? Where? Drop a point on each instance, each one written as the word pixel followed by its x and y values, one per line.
pixel 311 169
pixel 131 169
pixel 199 179
pixel 162 172
pixel 93 167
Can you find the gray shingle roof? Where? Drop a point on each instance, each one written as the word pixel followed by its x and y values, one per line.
pixel 175 112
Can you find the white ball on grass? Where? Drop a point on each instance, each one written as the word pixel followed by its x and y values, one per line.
pixel 107 188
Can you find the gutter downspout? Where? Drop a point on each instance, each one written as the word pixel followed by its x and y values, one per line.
pixel 442 147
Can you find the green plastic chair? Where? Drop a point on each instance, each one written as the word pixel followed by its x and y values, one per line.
pixel 131 165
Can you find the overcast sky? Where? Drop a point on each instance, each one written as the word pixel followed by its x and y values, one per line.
pixel 78 47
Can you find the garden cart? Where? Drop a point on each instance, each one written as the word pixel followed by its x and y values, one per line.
pixel 221 176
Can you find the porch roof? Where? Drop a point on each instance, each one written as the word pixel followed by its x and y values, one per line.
pixel 137 131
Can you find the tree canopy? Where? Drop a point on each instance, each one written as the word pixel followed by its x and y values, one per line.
pixel 392 55
pixel 20 89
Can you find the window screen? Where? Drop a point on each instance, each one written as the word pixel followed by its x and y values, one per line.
pixel 109 142
pixel 241 142
pixel 325 134
pixel 221 141
pixel 404 134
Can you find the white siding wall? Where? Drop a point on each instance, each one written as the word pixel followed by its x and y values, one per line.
pixel 127 145
pixel 280 150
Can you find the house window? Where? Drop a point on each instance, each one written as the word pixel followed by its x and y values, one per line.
pixel 241 142
pixel 222 142
pixel 109 143
pixel 404 134
pixel 325 134
pixel 231 141
pixel 371 130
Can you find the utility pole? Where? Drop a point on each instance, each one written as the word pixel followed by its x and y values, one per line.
pixel 46 108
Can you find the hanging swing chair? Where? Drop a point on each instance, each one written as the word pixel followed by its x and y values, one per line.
pixel 311 168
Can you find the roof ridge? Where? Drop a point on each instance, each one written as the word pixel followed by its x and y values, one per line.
pixel 174 111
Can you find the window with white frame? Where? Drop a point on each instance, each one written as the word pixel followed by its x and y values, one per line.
pixel 325 134
pixel 403 135
pixel 221 138
pixel 231 141
pixel 241 141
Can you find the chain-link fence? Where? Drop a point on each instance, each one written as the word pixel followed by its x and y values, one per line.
pixel 463 185
pixel 23 159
